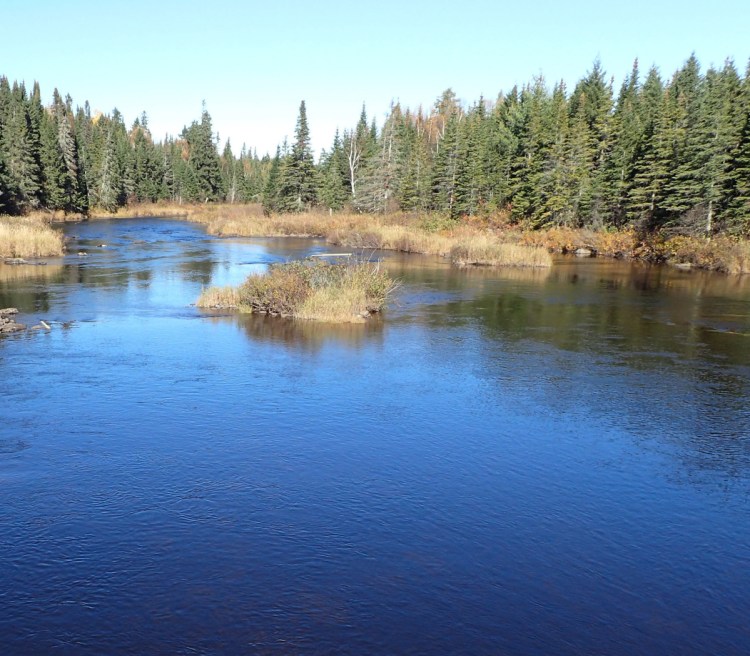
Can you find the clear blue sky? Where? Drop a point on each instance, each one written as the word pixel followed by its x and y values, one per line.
pixel 253 61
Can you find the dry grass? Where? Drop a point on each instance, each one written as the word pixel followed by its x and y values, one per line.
pixel 487 250
pixel 161 209
pixel 314 290
pixel 393 237
pixel 609 243
pixel 334 305
pixel 723 254
pixel 28 237
pixel 221 298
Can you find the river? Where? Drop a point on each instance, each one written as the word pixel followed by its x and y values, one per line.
pixel 507 462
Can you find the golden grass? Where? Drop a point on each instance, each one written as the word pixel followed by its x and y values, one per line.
pixel 313 290
pixel 393 237
pixel 334 305
pixel 160 209
pixel 487 250
pixel 221 298
pixel 28 237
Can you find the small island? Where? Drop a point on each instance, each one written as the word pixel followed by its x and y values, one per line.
pixel 310 289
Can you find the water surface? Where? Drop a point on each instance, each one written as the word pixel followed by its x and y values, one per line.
pixel 509 462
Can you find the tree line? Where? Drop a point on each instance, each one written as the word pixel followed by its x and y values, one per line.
pixel 660 154
pixel 58 158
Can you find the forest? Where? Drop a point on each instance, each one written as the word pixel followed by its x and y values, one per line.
pixel 659 154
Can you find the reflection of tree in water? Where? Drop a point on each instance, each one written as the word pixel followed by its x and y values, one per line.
pixel 198 266
pixel 665 355
pixel 308 335
pixel 635 312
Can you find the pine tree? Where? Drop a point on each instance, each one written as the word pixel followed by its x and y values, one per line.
pixel 297 189
pixel 108 191
pixel 334 191
pixel 445 168
pixel 205 183
pixel 147 166
pixel 683 191
pixel 553 187
pixel 736 193
pixel 23 171
pixel 232 174
pixel 271 189
pixel 644 202
pixel 627 131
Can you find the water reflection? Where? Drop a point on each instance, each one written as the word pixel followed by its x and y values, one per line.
pixel 310 335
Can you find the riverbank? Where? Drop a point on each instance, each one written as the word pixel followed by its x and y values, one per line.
pixel 28 236
pixel 432 234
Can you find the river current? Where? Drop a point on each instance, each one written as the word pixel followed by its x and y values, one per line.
pixel 507 462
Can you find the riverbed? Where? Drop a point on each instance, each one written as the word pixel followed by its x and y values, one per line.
pixel 508 461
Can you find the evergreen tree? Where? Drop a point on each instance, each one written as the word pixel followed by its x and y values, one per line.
pixel 147 165
pixel 358 148
pixel 297 190
pixel 684 187
pixel 334 190
pixel 644 203
pixel 271 189
pixel 205 182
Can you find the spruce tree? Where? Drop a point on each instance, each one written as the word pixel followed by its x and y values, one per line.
pixel 205 183
pixel 20 152
pixel 297 190
pixel 271 189
pixel 334 191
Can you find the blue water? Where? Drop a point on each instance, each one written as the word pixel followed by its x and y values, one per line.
pixel 507 463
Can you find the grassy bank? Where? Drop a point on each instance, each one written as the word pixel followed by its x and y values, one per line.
pixel 314 290
pixel 486 250
pixel 432 234
pixel 28 237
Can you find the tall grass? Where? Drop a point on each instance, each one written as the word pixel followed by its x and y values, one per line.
pixel 28 237
pixel 489 251
pixel 220 298
pixel 314 290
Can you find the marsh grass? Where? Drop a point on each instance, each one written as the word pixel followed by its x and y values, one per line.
pixel 314 290
pixel 28 237
pixel 435 234
pixel 487 250
pixel 219 298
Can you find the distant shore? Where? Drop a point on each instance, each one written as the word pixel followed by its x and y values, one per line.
pixel 426 233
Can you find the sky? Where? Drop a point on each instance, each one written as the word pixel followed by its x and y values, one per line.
pixel 253 62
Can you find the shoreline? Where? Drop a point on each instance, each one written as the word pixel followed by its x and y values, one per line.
pixel 432 234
